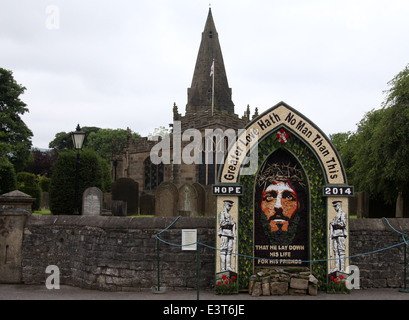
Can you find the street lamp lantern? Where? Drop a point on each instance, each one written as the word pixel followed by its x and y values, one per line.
pixel 78 137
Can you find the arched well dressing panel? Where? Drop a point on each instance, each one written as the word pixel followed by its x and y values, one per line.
pixel 278 136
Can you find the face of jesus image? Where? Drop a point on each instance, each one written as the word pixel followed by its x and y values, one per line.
pixel 279 203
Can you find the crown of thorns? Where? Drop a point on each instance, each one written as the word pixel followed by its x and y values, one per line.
pixel 280 172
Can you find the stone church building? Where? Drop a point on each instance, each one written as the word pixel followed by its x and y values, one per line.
pixel 209 106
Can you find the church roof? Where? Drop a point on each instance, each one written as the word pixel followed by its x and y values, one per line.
pixel 200 92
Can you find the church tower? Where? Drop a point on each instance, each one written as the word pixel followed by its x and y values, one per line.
pixel 200 93
pixel 202 112
pixel 209 104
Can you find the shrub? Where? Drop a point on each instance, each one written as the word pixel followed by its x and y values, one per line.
pixel 44 183
pixel 27 183
pixel 106 175
pixel 62 186
pixel 8 180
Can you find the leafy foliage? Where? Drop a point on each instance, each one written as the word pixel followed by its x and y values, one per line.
pixel 375 156
pixel 44 183
pixel 161 131
pixel 62 187
pixel 105 142
pixel 27 183
pixel 41 162
pixel 15 136
pixel 8 180
pixel 63 140
pixel 398 94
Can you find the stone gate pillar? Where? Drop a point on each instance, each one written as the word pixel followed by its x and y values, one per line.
pixel 15 207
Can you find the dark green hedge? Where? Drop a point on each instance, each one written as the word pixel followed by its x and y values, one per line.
pixel 8 180
pixel 62 186
pixel 27 183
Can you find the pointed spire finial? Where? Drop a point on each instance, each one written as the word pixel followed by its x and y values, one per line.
pixel 200 93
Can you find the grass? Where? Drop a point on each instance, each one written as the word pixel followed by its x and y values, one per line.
pixel 41 212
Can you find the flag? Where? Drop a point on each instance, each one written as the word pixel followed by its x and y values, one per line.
pixel 212 69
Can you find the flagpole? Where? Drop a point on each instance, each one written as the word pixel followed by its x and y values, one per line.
pixel 213 89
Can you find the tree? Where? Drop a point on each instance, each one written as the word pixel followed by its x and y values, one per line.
pixel 376 155
pixel 27 183
pixel 105 142
pixel 357 152
pixel 62 187
pixel 63 140
pixel 343 143
pixel 398 94
pixel 390 141
pixel 40 162
pixel 161 131
pixel 8 180
pixel 15 136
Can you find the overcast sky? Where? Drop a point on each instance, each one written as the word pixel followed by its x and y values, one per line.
pixel 118 64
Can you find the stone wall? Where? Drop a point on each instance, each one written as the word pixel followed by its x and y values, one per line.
pixel 119 253
pixel 385 268
pixel 115 253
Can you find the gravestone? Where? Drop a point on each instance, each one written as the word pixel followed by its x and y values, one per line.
pixel 127 190
pixel 116 207
pixel 166 200
pixel 107 196
pixel 45 201
pixel 147 204
pixel 187 204
pixel 92 202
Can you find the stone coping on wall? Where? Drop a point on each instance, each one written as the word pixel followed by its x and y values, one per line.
pixel 400 224
pixel 112 222
pixel 160 223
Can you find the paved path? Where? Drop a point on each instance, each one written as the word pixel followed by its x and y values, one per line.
pixel 40 292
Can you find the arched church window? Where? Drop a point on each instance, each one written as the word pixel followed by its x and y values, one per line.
pixel 153 174
pixel 209 166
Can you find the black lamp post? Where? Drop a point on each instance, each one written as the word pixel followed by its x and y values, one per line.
pixel 78 137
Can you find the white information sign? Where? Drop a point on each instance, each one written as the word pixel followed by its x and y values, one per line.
pixel 189 239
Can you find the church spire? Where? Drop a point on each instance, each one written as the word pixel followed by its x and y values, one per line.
pixel 200 92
